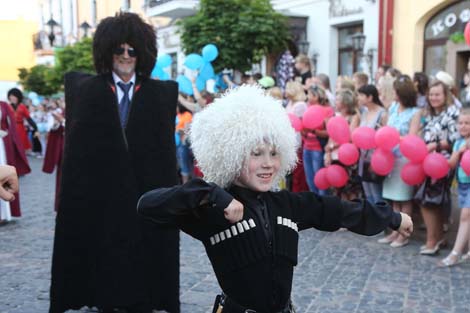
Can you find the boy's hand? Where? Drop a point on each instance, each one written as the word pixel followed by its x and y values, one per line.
pixel 234 212
pixel 406 226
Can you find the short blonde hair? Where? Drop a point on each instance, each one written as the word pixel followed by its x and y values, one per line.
pixel 385 87
pixel 295 91
pixel 348 99
pixel 225 133
pixel 347 83
pixel 275 92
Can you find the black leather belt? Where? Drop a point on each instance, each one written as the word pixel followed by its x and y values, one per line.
pixel 224 304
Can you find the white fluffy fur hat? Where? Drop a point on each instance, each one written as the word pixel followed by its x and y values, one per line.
pixel 224 134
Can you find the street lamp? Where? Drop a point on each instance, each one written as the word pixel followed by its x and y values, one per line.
pixel 51 23
pixel 85 27
pixel 358 41
pixel 315 61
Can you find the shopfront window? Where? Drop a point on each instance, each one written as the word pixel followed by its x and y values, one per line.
pixel 440 27
pixel 435 59
pixel 348 59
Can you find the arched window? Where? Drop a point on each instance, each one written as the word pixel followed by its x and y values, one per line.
pixel 439 29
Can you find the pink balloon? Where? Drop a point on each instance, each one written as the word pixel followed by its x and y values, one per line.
pixel 320 179
pixel 314 116
pixel 435 165
pixel 413 173
pixel 338 129
pixel 413 148
pixel 295 122
pixel 387 137
pixel 348 154
pixel 466 33
pixel 329 112
pixel 382 161
pixel 336 175
pixel 465 162
pixel 364 137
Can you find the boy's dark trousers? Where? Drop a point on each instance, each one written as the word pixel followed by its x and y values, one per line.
pixel 223 304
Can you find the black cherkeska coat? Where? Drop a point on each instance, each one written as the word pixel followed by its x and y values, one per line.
pixel 104 254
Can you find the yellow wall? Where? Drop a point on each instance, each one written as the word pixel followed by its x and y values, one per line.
pixel 105 8
pixel 16 37
pixel 410 17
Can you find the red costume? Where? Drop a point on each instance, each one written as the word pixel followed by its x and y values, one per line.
pixel 53 158
pixel 22 113
pixel 14 150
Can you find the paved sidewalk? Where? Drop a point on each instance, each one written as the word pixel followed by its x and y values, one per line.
pixel 337 272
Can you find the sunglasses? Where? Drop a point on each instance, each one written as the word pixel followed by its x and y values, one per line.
pixel 130 51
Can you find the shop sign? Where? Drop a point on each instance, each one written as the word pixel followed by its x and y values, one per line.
pixel 448 21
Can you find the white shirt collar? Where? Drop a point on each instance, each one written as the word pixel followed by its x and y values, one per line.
pixel 117 79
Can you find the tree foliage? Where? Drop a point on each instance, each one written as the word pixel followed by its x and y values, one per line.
pixel 46 80
pixel 243 31
pixel 38 79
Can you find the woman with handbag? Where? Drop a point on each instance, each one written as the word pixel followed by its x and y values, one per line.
pixel 439 132
pixel 373 115
pixel 403 115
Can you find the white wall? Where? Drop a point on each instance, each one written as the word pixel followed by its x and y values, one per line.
pixel 322 30
pixel 4 87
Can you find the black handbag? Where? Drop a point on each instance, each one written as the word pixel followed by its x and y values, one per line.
pixel 434 194
pixel 369 176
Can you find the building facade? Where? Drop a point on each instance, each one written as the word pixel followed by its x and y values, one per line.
pixel 17 27
pixel 322 29
pixel 428 36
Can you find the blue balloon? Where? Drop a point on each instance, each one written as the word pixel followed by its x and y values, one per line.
pixel 194 61
pixel 210 52
pixel 184 85
pixel 207 71
pixel 164 60
pixel 219 82
pixel 200 83
pixel 159 73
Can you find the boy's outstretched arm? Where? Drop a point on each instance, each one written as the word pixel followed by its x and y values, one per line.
pixel 359 216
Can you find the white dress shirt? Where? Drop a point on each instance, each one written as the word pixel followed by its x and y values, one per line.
pixel 119 91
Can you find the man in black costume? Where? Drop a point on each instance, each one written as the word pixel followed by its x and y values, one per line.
pixel 119 144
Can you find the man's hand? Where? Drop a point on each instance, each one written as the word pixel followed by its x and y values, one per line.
pixel 406 226
pixel 8 182
pixel 234 212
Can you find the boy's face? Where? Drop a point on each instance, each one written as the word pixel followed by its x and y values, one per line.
pixel 260 169
pixel 464 125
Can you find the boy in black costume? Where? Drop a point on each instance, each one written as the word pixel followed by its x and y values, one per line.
pixel 244 144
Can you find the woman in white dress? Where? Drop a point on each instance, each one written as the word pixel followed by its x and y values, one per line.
pixel 5 211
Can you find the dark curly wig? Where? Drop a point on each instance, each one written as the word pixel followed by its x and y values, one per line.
pixel 124 28
pixel 17 93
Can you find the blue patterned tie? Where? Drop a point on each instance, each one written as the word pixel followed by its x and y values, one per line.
pixel 125 102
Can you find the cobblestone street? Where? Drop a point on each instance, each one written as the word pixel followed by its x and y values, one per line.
pixel 337 272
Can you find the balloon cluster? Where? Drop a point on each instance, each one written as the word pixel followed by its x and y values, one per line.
pixel 159 72
pixel 384 140
pixel 200 64
pixel 35 98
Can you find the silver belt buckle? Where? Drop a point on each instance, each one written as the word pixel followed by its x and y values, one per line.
pixel 250 311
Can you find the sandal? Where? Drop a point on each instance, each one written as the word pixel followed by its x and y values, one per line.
pixel 466 257
pixel 441 243
pixel 452 259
